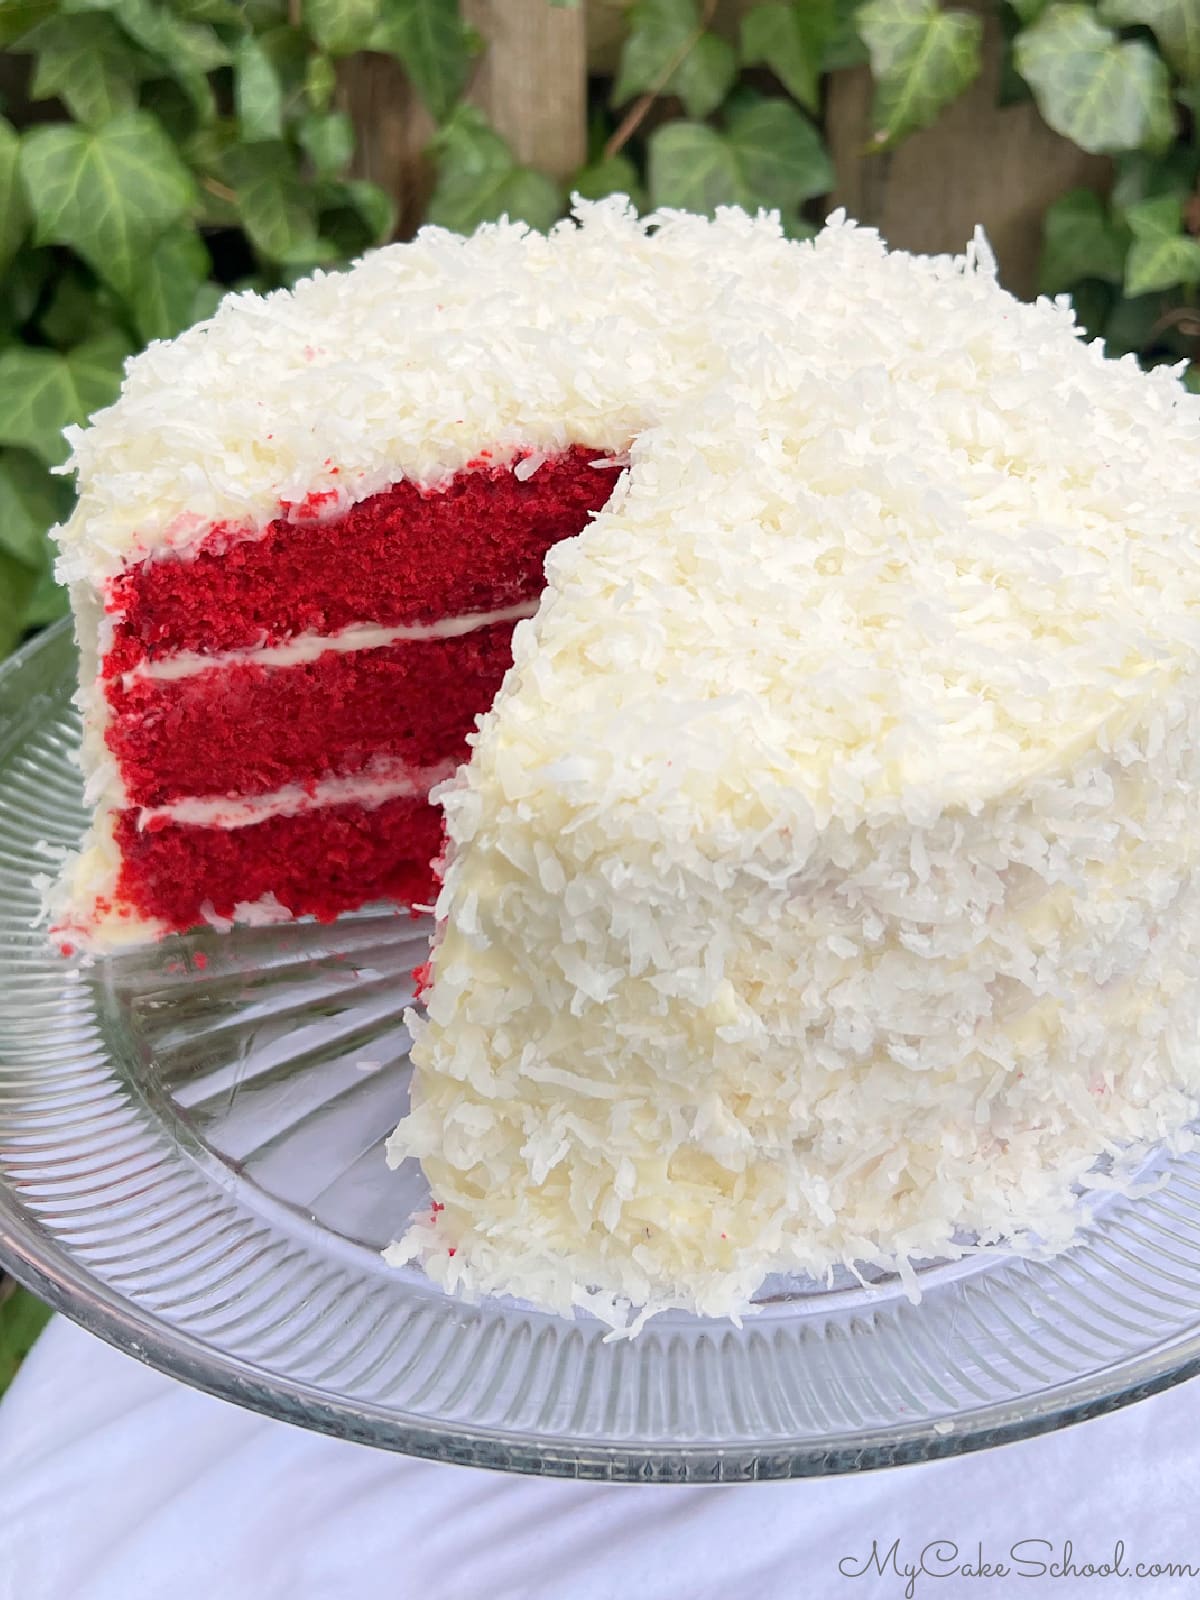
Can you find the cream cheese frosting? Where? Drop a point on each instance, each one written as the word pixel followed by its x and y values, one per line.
pixel 412 364
pixel 822 884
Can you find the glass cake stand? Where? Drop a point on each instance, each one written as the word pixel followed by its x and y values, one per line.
pixel 191 1167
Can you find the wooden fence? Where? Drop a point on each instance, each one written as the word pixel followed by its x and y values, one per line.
pixel 981 162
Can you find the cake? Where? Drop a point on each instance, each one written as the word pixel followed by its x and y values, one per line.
pixel 304 532
pixel 819 889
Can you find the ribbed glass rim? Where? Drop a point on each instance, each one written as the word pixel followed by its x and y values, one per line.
pixel 78 1296
pixel 45 1266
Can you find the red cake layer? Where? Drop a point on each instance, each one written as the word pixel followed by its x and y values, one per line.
pixel 318 863
pixel 248 729
pixel 401 556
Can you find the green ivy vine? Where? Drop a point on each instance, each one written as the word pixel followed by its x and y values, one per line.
pixel 154 153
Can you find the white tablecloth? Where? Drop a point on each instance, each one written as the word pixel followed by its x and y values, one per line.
pixel 119 1484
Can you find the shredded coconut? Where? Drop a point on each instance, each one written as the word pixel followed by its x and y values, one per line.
pixel 821 891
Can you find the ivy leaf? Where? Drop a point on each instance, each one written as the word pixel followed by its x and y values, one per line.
pixel 1162 256
pixel 164 301
pixel 922 59
pixel 207 150
pixel 341 26
pixel 772 157
pixel 272 203
pixel 374 205
pixel 190 46
pixel 31 501
pixel 668 51
pixel 173 108
pixel 25 285
pixel 79 307
pixel 610 175
pixel 320 80
pixel 258 93
pixel 1174 23
pixel 842 44
pixel 1101 93
pixel 1092 303
pixel 479 180
pixel 22 1318
pixel 775 36
pixel 88 64
pixel 327 139
pixel 188 50
pixel 355 215
pixel 1131 326
pixel 16 587
pixel 15 214
pixel 219 11
pixel 1079 241
pixel 49 599
pixel 691 166
pixel 205 302
pixel 780 156
pixel 287 51
pixel 430 40
pixel 262 14
pixel 1141 176
pixel 106 193
pixel 1028 10
pixel 18 16
pixel 42 392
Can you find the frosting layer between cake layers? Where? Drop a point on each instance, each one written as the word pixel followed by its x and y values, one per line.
pixel 823 881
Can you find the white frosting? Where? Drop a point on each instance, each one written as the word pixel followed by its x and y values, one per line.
pixel 413 364
pixel 265 912
pixel 302 648
pixel 385 779
pixel 83 907
pixel 823 880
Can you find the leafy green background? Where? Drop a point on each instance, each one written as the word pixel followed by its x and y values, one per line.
pixel 22 1318
pixel 156 153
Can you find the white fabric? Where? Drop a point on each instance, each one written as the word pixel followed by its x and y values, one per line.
pixel 118 1484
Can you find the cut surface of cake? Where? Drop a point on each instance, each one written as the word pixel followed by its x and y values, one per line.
pixel 269 713
pixel 822 888
pixel 306 528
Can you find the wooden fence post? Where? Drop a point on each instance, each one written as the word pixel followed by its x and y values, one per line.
pixel 392 129
pixel 531 82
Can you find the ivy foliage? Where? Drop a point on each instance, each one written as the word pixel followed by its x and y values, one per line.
pixel 160 152
pixel 22 1318
pixel 168 152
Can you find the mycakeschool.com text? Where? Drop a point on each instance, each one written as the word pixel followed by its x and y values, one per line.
pixel 920 1566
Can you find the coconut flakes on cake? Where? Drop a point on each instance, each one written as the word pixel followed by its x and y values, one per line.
pixel 410 365
pixel 822 884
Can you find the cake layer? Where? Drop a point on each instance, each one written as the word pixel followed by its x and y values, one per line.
pixel 316 862
pixel 248 729
pixel 404 555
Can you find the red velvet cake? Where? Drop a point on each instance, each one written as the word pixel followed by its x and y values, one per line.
pixel 278 708
pixel 307 528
